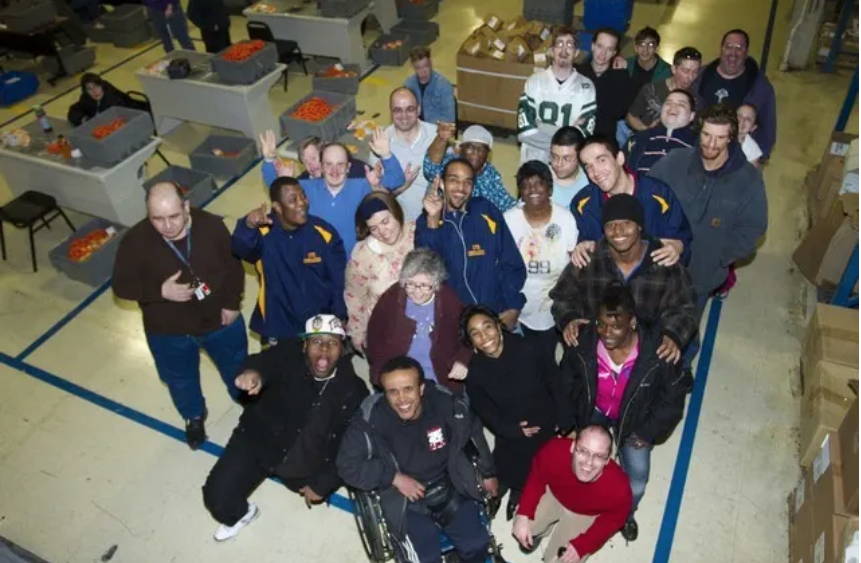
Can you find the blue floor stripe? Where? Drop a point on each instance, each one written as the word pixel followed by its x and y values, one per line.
pixel 664 544
pixel 134 415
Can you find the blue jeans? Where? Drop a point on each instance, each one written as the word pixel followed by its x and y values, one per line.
pixel 177 360
pixel 175 24
pixel 693 348
pixel 465 531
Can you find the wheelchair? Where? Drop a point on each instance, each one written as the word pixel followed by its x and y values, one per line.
pixel 379 544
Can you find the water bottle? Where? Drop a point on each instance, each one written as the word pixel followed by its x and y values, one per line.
pixel 44 122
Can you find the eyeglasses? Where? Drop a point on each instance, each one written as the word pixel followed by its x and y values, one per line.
pixel 408 109
pixel 412 286
pixel 651 44
pixel 583 453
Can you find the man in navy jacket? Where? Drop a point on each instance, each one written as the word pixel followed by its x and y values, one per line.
pixel 299 258
pixel 483 263
pixel 664 218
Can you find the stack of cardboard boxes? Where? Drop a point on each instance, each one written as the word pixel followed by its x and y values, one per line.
pixel 823 508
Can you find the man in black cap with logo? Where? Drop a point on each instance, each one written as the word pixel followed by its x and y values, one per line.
pixel 302 395
pixel 662 294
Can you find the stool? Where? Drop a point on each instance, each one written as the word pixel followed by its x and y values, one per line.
pixel 25 211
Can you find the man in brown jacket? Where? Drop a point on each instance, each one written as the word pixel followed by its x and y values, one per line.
pixel 189 297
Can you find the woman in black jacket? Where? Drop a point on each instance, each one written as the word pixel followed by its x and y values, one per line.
pixel 97 95
pixel 614 377
pixel 510 388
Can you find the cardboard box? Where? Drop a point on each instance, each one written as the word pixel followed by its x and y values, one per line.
pixel 832 335
pixel 800 511
pixel 829 176
pixel 847 436
pixel 849 542
pixel 821 416
pixel 488 90
pixel 824 251
pixel 829 519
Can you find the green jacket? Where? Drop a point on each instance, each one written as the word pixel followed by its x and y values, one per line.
pixel 662 68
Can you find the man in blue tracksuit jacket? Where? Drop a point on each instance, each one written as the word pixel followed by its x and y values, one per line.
pixel 299 258
pixel 664 217
pixel 483 263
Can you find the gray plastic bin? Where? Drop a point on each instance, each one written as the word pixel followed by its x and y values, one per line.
pixel 27 16
pixel 327 129
pixel 197 186
pixel 340 85
pixel 132 37
pixel 248 71
pixel 99 267
pixel 559 12
pixel 423 11
pixel 76 59
pixel 203 159
pixel 341 8
pixel 125 17
pixel 110 150
pixel 390 57
pixel 420 32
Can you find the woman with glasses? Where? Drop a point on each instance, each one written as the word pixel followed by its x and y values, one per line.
pixel 375 262
pixel 613 377
pixel 418 317
pixel 510 387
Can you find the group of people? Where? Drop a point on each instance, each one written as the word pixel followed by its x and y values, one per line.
pixel 459 295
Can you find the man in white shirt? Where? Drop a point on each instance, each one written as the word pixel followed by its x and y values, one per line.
pixel 409 139
pixel 554 97
pixel 568 176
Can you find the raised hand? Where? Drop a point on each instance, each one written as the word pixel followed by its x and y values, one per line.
pixel 433 201
pixel 446 131
pixel 257 217
pixel 268 144
pixel 374 176
pixel 380 144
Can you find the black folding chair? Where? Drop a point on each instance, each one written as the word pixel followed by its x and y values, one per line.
pixel 143 103
pixel 25 211
pixel 288 50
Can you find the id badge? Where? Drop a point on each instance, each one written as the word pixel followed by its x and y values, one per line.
pixel 201 291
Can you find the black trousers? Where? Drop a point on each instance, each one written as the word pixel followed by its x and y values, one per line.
pixel 215 40
pixel 236 474
pixel 544 341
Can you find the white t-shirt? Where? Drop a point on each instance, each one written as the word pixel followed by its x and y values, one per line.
pixel 545 253
pixel 750 148
pixel 413 154
pixel 564 193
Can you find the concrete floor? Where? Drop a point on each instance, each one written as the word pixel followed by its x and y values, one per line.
pixel 89 455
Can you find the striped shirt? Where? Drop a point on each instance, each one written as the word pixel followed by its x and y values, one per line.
pixel 648 147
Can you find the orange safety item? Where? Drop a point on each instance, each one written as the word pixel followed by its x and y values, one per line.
pixel 243 50
pixel 81 248
pixel 313 109
pixel 107 129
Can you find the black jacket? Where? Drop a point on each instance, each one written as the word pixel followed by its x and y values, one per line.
pixel 366 462
pixel 87 108
pixel 654 399
pixel 298 427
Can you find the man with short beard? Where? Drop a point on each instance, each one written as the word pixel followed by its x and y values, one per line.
pixel 723 195
pixel 301 398
pixel 736 79
pixel 674 132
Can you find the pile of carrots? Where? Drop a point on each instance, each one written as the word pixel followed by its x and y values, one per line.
pixel 83 247
pixel 313 109
pixel 107 129
pixel 396 44
pixel 334 72
pixel 243 50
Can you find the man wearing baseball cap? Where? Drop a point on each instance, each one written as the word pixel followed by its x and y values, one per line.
pixel 475 146
pixel 662 294
pixel 301 395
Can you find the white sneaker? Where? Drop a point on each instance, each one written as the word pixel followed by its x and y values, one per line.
pixel 224 533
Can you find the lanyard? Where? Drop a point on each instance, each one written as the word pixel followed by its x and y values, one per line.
pixel 186 258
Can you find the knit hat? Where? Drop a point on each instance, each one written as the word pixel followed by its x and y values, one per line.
pixel 622 207
pixel 477 134
pixel 368 207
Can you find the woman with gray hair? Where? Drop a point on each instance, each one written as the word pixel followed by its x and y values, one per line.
pixel 418 317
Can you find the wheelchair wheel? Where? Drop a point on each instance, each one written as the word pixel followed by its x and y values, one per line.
pixel 372 526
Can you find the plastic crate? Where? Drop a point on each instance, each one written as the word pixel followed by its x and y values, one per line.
pixel 342 8
pixel 136 132
pixel 327 129
pixel 133 37
pixel 125 17
pixel 390 57
pixel 99 267
pixel 75 58
pixel 248 71
pixel 24 17
pixel 559 12
pixel 202 158
pixel 420 32
pixel 341 85
pixel 424 10
pixel 197 186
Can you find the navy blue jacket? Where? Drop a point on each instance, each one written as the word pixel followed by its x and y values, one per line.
pixel 301 273
pixel 483 263
pixel 663 213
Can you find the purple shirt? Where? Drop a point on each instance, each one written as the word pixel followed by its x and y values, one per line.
pixel 420 347
pixel 612 380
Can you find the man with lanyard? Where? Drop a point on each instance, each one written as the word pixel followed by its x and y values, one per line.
pixel 299 259
pixel 470 234
pixel 555 97
pixel 189 296
pixel 664 218
pixel 301 398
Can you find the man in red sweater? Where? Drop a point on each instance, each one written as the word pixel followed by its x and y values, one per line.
pixel 574 483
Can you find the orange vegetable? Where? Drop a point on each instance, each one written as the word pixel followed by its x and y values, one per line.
pixel 313 109
pixel 334 72
pixel 81 248
pixel 243 50
pixel 107 129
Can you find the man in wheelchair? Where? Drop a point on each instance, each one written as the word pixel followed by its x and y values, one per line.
pixel 410 450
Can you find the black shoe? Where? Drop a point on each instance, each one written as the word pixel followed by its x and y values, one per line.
pixel 630 530
pixel 195 432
